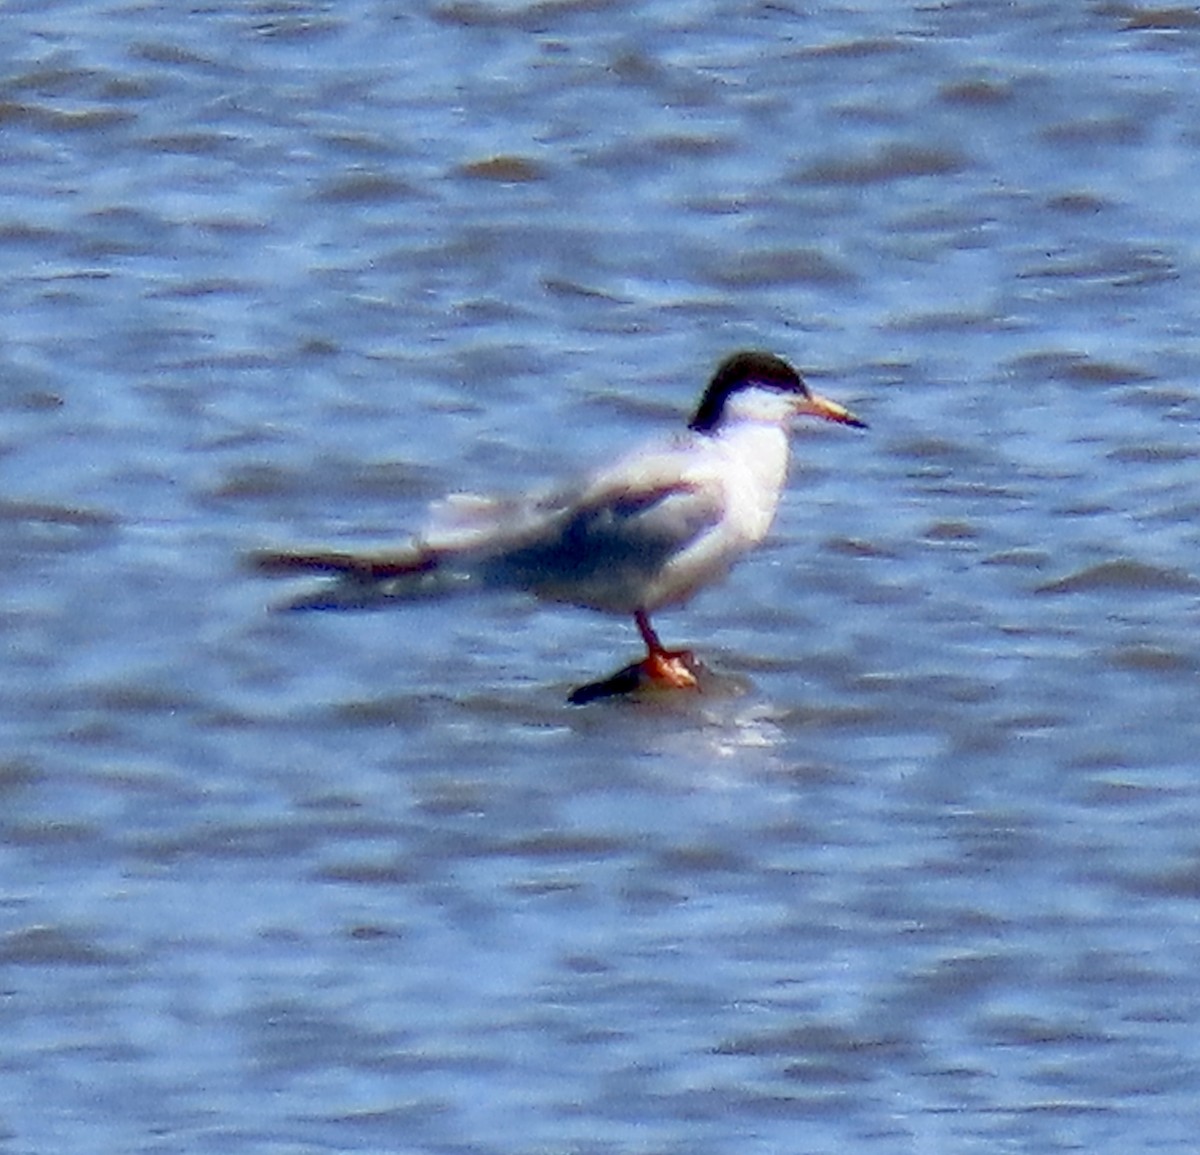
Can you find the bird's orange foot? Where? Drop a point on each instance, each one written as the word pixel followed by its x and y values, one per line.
pixel 659 670
pixel 670 670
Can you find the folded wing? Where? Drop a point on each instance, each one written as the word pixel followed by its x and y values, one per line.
pixel 608 544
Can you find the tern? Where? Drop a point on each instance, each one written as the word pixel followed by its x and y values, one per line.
pixel 644 533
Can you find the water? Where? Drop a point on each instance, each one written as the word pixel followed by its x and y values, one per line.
pixel 282 273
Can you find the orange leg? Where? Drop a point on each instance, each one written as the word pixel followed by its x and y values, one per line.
pixel 673 669
pixel 661 668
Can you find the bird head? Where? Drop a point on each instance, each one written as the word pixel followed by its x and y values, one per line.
pixel 766 384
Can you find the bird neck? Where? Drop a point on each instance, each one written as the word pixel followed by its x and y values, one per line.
pixel 759 443
pixel 757 456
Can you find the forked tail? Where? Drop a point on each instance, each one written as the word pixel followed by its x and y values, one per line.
pixel 362 581
pixel 361 567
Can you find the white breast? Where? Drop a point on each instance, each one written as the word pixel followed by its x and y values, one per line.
pixel 750 459
pixel 756 460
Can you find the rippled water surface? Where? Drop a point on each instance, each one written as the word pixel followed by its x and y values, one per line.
pixel 924 878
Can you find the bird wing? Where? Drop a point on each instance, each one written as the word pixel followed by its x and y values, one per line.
pixel 604 542
pixel 656 508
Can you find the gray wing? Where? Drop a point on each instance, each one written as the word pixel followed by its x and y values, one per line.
pixel 603 545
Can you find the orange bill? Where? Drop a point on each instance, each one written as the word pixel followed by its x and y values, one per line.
pixel 817 406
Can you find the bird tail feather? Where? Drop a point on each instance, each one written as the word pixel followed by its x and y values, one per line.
pixel 362 581
pixel 362 567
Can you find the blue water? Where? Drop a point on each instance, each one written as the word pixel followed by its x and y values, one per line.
pixel 923 878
